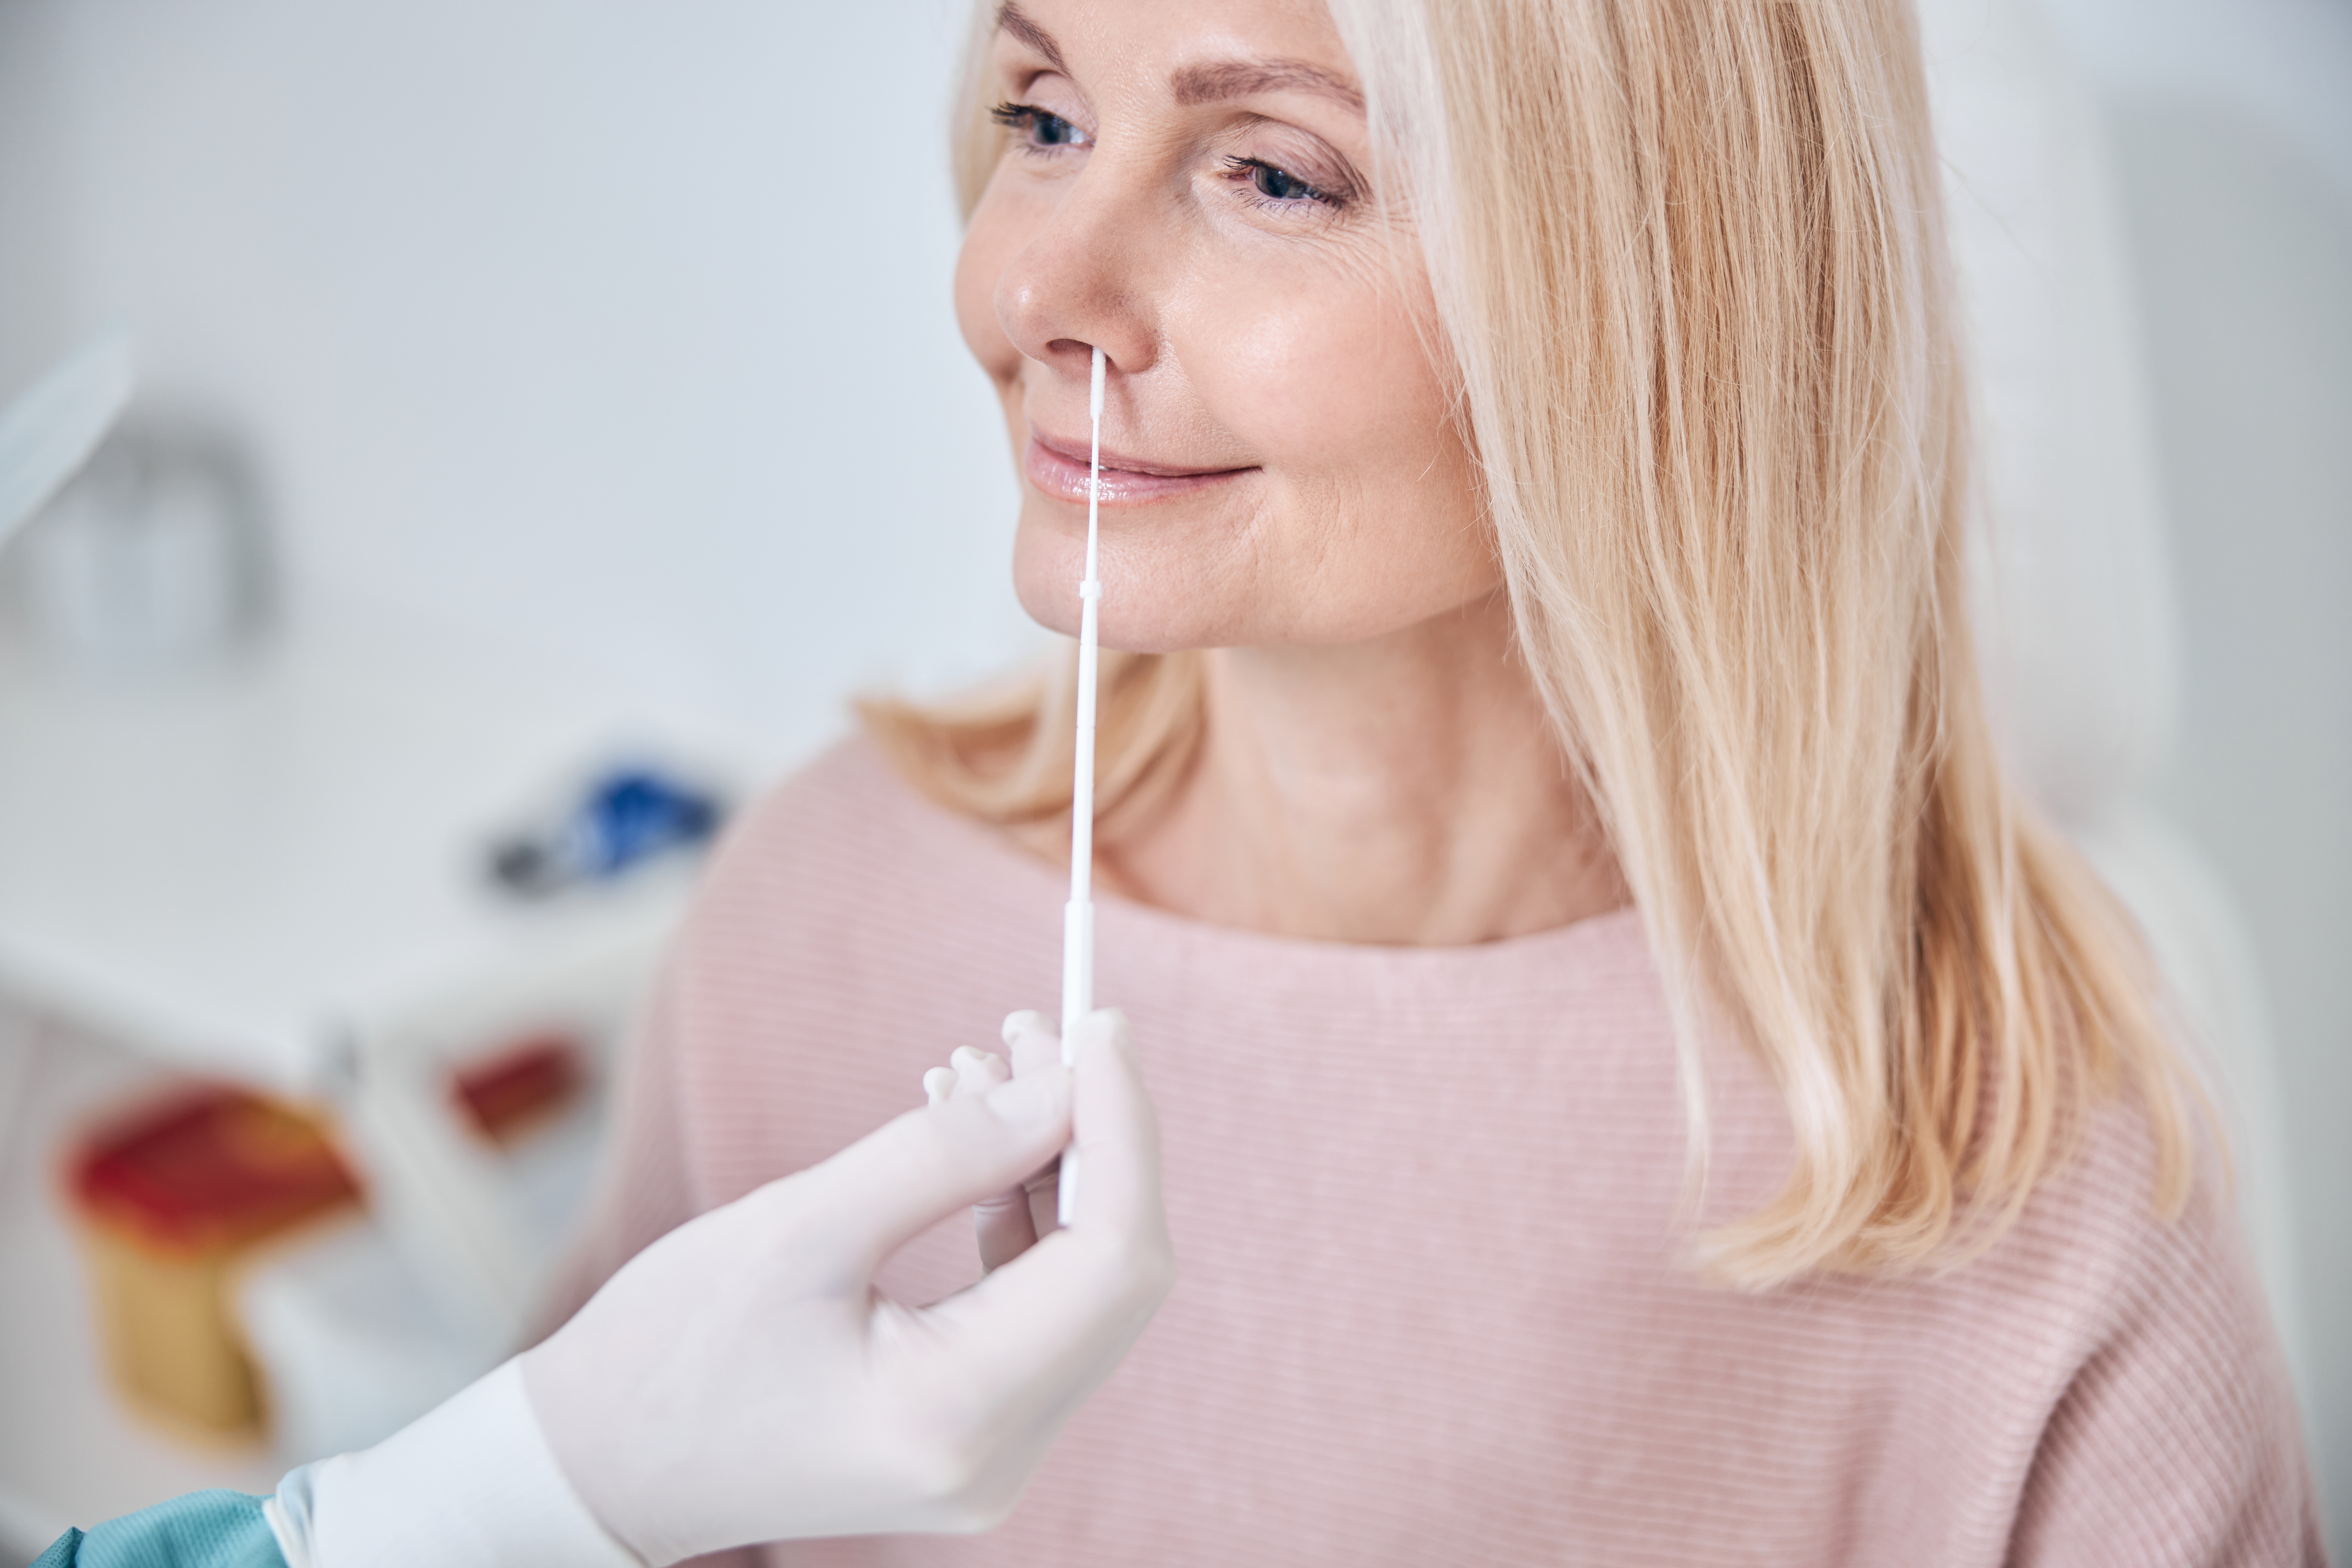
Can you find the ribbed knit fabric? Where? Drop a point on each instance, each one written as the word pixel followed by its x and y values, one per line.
pixel 1434 1304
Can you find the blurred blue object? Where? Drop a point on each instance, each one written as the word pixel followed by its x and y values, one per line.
pixel 627 818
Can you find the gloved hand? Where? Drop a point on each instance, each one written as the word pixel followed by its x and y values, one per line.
pixel 741 1380
pixel 1004 1223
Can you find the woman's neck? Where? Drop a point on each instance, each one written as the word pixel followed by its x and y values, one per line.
pixel 1404 791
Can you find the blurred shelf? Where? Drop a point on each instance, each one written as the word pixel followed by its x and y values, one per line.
pixel 271 872
pixel 243 870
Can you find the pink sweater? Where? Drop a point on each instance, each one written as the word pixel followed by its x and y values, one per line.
pixel 1425 1203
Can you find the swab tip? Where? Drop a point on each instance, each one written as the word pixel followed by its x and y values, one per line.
pixel 1095 391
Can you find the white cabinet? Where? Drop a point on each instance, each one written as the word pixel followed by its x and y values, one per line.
pixel 274 873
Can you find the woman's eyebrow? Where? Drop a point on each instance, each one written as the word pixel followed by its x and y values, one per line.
pixel 1011 18
pixel 1207 82
pixel 1238 78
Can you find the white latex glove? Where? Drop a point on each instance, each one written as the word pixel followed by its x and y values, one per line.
pixel 742 1380
pixel 1004 1223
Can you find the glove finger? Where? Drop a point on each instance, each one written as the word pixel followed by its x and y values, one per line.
pixel 1034 1042
pixel 1002 1224
pixel 1035 1045
pixel 977 1071
pixel 864 1202
pixel 1049 1325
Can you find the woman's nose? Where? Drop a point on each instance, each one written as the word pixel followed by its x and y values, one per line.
pixel 1085 278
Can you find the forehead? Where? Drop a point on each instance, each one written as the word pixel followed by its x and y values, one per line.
pixel 1197 50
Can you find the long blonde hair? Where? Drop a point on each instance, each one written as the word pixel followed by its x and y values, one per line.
pixel 1689 263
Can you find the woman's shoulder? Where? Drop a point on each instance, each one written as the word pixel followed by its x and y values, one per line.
pixel 840 837
pixel 849 804
pixel 2170 1416
pixel 2172 1419
pixel 2099 1232
pixel 846 791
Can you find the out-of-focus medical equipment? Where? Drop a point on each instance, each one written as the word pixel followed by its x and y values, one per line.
pixel 188 1191
pixel 624 819
pixel 150 556
pixel 1078 916
pixel 273 879
pixel 169 1199
pixel 154 559
pixel 49 432
pixel 349 1338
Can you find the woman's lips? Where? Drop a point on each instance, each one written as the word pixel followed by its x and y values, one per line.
pixel 1062 474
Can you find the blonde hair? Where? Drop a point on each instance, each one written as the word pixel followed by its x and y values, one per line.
pixel 1689 264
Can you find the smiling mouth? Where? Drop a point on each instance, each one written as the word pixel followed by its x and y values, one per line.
pixel 1059 471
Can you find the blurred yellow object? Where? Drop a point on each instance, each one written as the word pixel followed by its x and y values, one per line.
pixel 170 1198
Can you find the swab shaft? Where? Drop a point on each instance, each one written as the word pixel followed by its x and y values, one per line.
pixel 1078 917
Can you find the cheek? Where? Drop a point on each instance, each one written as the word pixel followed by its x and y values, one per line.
pixel 1317 375
pixel 1333 385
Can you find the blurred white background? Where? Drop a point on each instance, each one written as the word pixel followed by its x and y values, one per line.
pixel 613 338
pixel 616 333
pixel 2230 123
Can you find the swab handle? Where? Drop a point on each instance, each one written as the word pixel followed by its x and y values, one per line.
pixel 1077 973
pixel 1077 1001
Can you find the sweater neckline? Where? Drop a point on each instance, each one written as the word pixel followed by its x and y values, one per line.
pixel 1031 879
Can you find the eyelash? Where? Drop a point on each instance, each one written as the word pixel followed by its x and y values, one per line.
pixel 1257 171
pixel 1021 117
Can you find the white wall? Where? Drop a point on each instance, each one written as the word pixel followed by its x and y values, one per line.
pixel 2231 123
pixel 526 306
pixel 544 315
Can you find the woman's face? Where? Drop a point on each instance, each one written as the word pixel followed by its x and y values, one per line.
pixel 1187 188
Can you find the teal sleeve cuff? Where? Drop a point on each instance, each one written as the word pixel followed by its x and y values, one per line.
pixel 202 1530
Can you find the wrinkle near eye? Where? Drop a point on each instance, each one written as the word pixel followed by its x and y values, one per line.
pixel 1292 152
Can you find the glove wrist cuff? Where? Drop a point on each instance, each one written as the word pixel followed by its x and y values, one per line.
pixel 471 1484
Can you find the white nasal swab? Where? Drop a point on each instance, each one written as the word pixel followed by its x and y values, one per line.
pixel 1078 915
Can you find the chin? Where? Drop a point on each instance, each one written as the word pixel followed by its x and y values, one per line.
pixel 1142 612
pixel 1052 603
pixel 1172 587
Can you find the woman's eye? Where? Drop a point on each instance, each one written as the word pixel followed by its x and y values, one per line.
pixel 1039 127
pixel 1278 184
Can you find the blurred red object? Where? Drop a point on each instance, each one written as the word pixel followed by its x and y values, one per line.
pixel 511 1090
pixel 170 1195
pixel 210 1167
